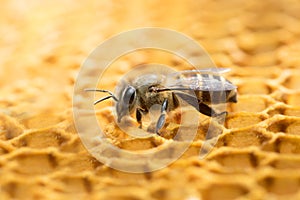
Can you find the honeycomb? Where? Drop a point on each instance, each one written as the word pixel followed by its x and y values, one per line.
pixel 43 44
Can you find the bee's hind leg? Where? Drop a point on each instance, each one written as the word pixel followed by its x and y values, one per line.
pixel 208 111
pixel 162 118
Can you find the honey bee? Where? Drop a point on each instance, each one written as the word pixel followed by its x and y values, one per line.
pixel 198 88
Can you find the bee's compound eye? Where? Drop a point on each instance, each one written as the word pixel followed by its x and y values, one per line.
pixel 129 95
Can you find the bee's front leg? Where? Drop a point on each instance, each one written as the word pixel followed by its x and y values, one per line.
pixel 138 116
pixel 162 118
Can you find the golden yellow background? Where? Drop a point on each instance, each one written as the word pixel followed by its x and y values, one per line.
pixel 42 46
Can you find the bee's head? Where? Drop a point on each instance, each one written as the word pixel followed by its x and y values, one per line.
pixel 232 96
pixel 126 102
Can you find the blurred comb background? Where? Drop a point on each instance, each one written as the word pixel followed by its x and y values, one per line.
pixel 43 44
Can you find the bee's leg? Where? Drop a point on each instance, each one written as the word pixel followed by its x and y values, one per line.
pixel 206 110
pixel 200 106
pixel 162 118
pixel 138 116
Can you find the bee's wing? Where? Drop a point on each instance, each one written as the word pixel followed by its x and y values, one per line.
pixel 213 71
pixel 216 70
pixel 198 80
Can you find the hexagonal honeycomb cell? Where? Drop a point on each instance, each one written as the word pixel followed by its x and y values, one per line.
pixel 253 155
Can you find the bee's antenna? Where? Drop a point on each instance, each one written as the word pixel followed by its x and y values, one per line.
pixel 102 99
pixel 106 91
